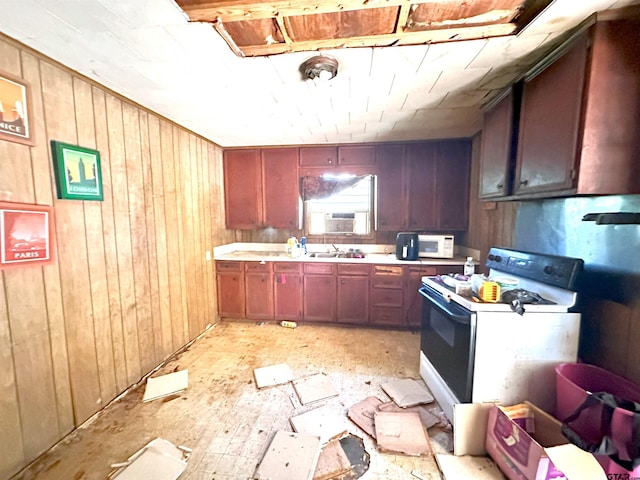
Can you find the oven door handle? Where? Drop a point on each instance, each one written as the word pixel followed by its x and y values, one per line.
pixel 462 315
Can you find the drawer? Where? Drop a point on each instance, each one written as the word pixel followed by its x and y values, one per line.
pixel 228 266
pixel 287 267
pixel 257 267
pixel 387 270
pixel 387 281
pixel 385 297
pixel 326 268
pixel 387 316
pixel 353 269
pixel 424 271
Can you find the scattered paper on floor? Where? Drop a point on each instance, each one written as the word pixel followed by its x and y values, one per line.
pixel 273 375
pixel 467 467
pixel 325 422
pixel 401 432
pixel 166 385
pixel 362 414
pixel 314 388
pixel 407 392
pixel 159 459
pixel 290 456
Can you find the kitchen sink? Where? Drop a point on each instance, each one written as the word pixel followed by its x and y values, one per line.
pixel 326 254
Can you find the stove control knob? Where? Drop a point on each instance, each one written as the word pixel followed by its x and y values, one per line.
pixel 491 257
pixel 498 258
pixel 549 270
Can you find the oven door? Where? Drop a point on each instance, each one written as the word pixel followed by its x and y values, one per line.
pixel 448 341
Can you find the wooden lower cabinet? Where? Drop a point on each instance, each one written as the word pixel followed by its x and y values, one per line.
pixel 258 284
pixel 231 291
pixel 387 283
pixel 413 300
pixel 353 294
pixel 320 294
pixel 287 290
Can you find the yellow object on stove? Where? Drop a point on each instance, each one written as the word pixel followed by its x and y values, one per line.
pixel 489 292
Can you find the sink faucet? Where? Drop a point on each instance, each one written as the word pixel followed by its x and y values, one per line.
pixel 335 248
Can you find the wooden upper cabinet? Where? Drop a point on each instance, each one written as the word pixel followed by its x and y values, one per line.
pixel 261 188
pixel 243 188
pixel 281 191
pixel 319 156
pixel 550 124
pixel 356 155
pixel 497 153
pixel 421 183
pixel 453 166
pixel 391 195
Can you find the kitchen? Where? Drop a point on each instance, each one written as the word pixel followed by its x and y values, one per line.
pixel 89 330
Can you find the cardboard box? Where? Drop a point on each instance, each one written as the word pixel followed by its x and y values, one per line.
pixel 533 447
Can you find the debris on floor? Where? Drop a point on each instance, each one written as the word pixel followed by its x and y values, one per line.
pixel 290 456
pixel 362 414
pixel 358 456
pixel 407 392
pixel 314 388
pixel 401 432
pixel 273 375
pixel 467 467
pixel 166 385
pixel 324 422
pixel 333 462
pixel 429 418
pixel 159 459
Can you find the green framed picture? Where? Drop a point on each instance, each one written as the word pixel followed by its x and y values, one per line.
pixel 77 170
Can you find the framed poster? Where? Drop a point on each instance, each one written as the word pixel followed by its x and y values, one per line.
pixel 26 234
pixel 78 172
pixel 15 108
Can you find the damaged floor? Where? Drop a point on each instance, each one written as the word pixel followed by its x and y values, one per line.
pixel 228 422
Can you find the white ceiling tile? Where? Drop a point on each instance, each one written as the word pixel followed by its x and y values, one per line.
pixel 465 98
pixel 455 79
pixel 452 55
pixel 510 50
pixel 401 60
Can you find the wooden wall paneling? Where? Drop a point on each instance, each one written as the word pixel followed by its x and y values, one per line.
pixel 199 244
pixel 57 94
pixel 44 194
pixel 171 219
pixel 12 455
pixel 189 188
pixel 96 252
pixel 152 254
pixel 110 242
pixel 139 245
pixel 124 248
pixel 207 240
pixel 162 254
pixel 178 146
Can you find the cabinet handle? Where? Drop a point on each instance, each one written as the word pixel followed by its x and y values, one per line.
pixel 500 186
pixel 524 182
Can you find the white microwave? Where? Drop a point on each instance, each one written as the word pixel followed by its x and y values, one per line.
pixel 435 246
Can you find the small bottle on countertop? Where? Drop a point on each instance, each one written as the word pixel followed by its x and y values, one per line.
pixel 303 243
pixel 469 267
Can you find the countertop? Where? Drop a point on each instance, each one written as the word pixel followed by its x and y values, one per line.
pixel 374 254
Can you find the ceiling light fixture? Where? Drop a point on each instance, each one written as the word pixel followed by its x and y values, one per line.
pixel 319 67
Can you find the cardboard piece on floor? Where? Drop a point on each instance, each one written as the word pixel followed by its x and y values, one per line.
pixel 362 414
pixel 166 385
pixel 333 462
pixel 407 392
pixel 428 418
pixel 468 467
pixel 576 463
pixel 401 432
pixel 324 422
pixel 273 375
pixel 314 388
pixel 470 428
pixel 290 456
pixel 159 459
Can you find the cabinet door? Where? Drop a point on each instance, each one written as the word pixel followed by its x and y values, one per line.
pixel 319 156
pixel 421 179
pixel 319 298
pixel 259 295
pixel 550 123
pixel 231 294
pixel 497 144
pixel 413 300
pixel 452 185
pixel 391 199
pixel 281 191
pixel 243 188
pixel 288 296
pixel 353 299
pixel 356 155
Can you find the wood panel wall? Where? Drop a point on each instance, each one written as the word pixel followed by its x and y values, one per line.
pixel 131 283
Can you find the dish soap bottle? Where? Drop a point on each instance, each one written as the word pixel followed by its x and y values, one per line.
pixel 469 267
